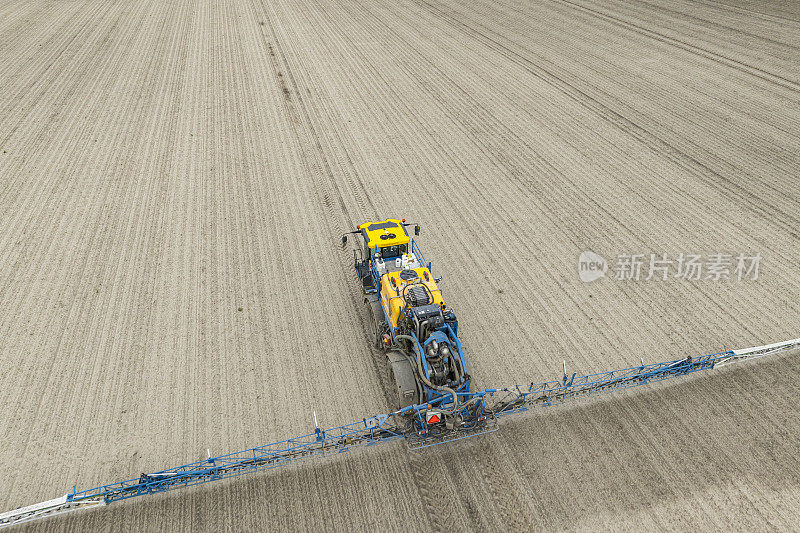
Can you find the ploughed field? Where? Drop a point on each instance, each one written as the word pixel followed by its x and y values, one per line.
pixel 174 180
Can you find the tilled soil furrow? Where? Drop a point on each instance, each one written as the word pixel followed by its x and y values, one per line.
pixel 175 178
pixel 771 77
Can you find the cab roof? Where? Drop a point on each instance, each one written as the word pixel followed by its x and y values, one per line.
pixel 389 232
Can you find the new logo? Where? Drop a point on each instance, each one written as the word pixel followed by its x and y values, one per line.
pixel 591 266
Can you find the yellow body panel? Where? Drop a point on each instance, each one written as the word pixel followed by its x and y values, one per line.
pixel 379 234
pixel 391 296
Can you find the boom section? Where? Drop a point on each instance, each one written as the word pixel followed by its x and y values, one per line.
pixel 422 425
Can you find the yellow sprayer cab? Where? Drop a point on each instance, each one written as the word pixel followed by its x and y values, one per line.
pixel 388 238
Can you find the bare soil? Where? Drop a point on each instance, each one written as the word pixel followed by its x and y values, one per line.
pixel 165 163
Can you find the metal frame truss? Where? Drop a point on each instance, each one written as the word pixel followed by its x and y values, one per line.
pixel 475 413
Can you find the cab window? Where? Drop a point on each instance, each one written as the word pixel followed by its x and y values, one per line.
pixel 393 251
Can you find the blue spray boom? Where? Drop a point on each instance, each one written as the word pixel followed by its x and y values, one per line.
pixel 437 422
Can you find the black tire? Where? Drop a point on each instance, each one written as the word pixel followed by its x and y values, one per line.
pixel 376 331
pixel 393 385
pixel 406 390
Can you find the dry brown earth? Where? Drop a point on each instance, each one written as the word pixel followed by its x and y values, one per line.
pixel 164 163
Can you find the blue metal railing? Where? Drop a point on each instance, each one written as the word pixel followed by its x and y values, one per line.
pixel 416 251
